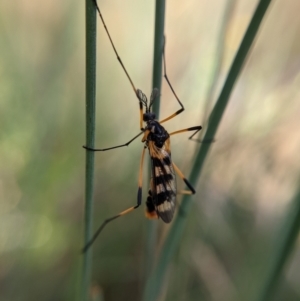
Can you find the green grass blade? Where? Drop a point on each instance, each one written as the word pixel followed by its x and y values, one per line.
pixel 219 57
pixel 156 279
pixel 285 246
pixel 90 138
pixel 158 47
pixel 156 83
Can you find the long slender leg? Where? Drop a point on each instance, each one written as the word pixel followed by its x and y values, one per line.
pixel 202 140
pixel 130 209
pixel 181 175
pixel 194 128
pixel 113 147
pixel 197 129
pixel 172 89
pixel 113 46
pixel 136 91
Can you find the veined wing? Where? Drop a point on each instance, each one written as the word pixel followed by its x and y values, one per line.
pixel 163 186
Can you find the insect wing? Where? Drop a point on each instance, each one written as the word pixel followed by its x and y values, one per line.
pixel 163 186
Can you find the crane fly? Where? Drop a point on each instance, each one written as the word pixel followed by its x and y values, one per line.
pixel 161 200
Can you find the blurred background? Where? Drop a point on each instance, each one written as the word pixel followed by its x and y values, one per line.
pixel 244 197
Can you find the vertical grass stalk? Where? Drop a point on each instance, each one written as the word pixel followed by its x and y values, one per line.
pixel 156 280
pixel 160 6
pixel 286 242
pixel 90 138
pixel 156 83
pixel 218 62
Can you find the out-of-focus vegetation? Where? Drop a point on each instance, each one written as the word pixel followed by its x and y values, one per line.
pixel 251 175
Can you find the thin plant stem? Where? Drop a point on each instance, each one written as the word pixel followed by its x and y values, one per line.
pixel 156 83
pixel 218 61
pixel 282 251
pixel 156 280
pixel 158 48
pixel 90 138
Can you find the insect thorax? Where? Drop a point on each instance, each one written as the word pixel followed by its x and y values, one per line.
pixel 157 134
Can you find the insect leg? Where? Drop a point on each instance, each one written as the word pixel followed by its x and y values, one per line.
pixel 139 201
pixel 136 91
pixel 181 175
pixel 113 46
pixel 113 147
pixel 172 89
pixel 194 128
pixel 140 182
pixel 150 207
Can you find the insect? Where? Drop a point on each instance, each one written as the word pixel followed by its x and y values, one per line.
pixel 161 200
